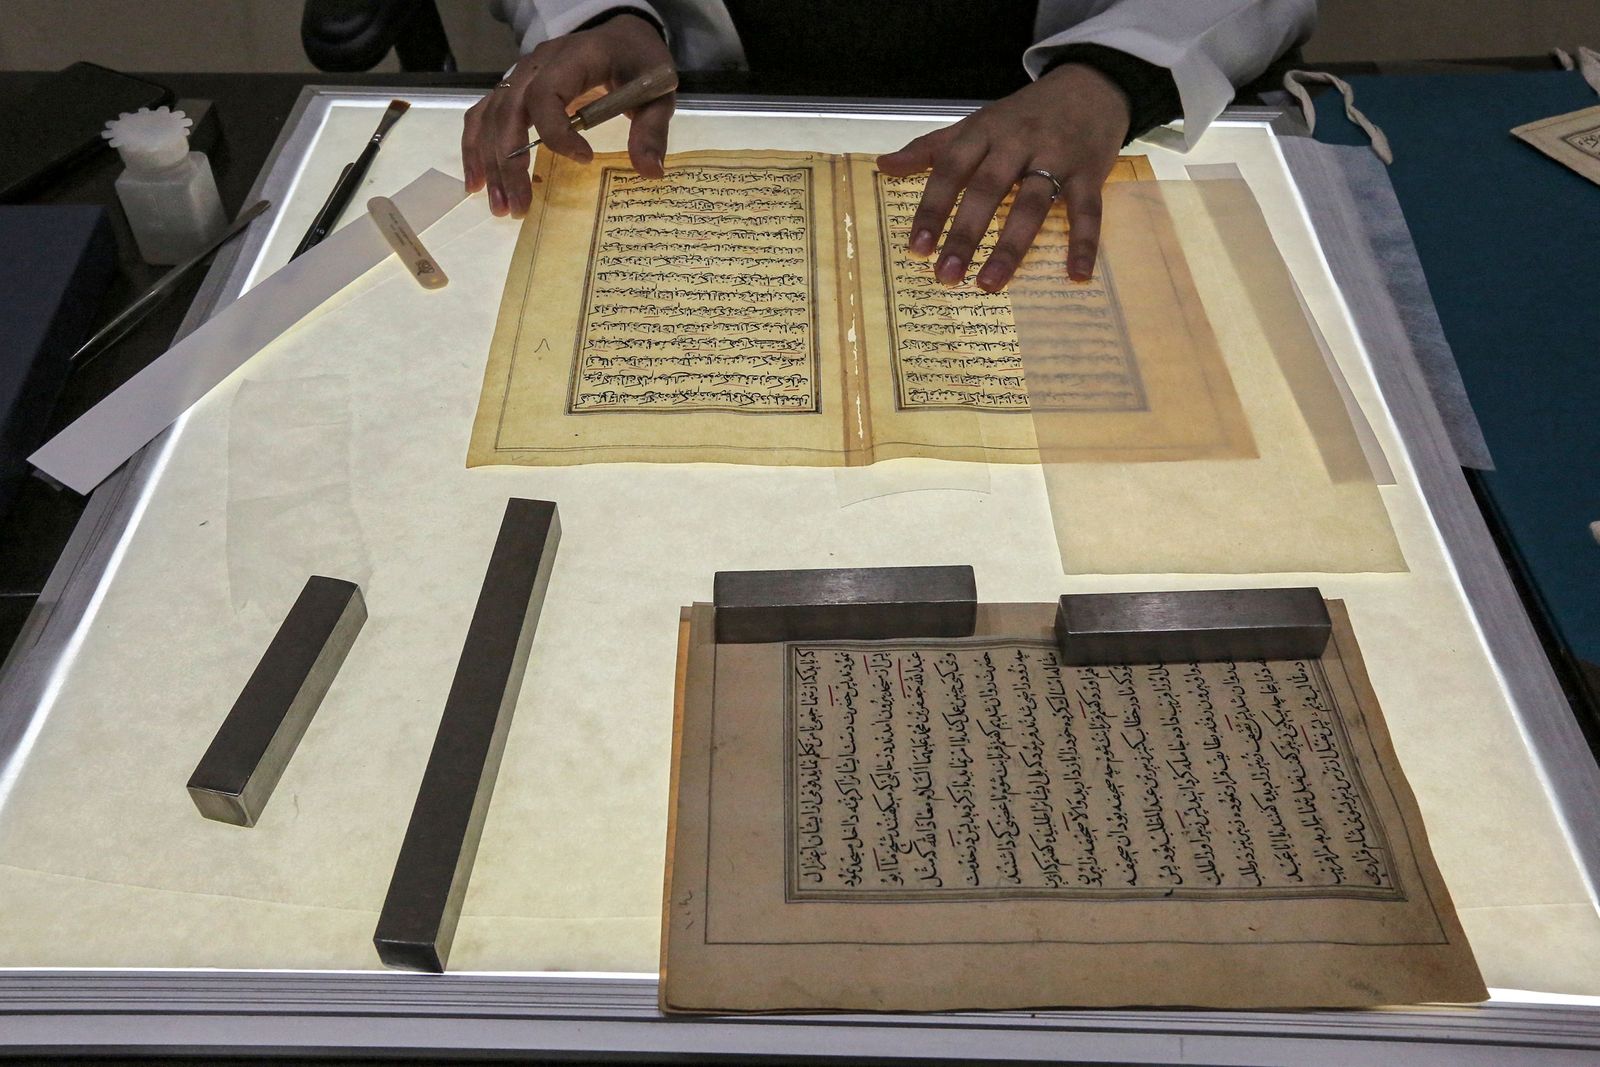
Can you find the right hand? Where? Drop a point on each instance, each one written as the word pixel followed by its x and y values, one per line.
pixel 543 85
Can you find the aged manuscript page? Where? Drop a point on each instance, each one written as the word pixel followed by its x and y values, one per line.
pixel 760 307
pixel 966 823
pixel 676 319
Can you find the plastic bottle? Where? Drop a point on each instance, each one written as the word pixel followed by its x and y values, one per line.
pixel 167 191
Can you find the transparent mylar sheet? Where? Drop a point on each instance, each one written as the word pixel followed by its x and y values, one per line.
pixel 1215 324
pixel 105 862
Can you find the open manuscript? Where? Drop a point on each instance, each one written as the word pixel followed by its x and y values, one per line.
pixel 931 824
pixel 761 307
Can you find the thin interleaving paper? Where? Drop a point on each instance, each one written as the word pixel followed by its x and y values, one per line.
pixel 1302 500
pixel 966 823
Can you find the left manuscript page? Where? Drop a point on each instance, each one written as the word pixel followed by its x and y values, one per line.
pixel 693 317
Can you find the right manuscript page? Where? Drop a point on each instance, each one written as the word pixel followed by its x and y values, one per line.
pixel 1125 359
pixel 968 823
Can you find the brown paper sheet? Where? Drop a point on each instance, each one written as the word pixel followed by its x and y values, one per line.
pixel 1302 499
pixel 932 825
pixel 758 307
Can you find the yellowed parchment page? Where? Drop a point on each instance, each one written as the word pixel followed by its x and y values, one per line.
pixel 966 823
pixel 945 370
pixel 694 318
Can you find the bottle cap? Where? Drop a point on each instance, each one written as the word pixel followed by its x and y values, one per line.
pixel 150 140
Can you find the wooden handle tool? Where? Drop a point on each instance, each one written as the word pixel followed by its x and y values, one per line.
pixel 652 85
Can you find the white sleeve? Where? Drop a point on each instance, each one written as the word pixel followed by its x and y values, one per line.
pixel 699 32
pixel 1210 46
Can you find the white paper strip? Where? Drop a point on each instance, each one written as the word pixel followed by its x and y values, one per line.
pixel 101 440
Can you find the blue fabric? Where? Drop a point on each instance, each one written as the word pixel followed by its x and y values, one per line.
pixel 1510 242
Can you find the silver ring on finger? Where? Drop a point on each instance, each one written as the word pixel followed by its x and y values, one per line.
pixel 1038 172
pixel 502 85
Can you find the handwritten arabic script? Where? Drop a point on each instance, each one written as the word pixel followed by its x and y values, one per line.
pixel 968 770
pixel 700 294
pixel 958 347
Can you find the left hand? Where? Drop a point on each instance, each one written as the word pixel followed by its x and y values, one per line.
pixel 1071 122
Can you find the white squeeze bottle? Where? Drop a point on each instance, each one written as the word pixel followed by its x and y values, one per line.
pixel 167 191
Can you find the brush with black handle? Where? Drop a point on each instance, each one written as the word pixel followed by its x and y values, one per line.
pixel 349 180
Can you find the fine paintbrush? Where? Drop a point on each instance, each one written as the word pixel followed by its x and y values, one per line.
pixel 652 85
pixel 349 180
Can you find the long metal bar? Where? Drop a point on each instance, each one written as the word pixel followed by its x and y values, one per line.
pixel 236 776
pixel 1180 626
pixel 418 921
pixel 864 603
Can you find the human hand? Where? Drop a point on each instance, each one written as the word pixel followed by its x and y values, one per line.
pixel 1071 123
pixel 540 89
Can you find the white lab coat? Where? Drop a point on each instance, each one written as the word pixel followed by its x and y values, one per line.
pixel 1210 46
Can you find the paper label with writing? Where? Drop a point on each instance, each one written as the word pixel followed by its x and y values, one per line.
pixel 1573 139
